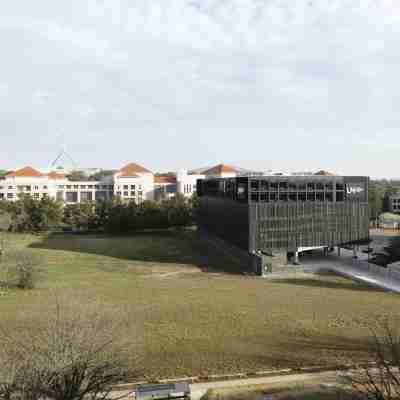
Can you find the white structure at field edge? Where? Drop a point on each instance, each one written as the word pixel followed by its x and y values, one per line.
pixel 132 183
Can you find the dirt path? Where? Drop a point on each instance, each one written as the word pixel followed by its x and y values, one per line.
pixel 198 390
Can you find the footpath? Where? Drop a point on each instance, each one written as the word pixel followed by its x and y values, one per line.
pixel 198 390
pixel 358 269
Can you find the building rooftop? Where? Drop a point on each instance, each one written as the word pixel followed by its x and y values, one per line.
pixel 221 169
pixel 164 179
pixel 131 170
pixel 26 172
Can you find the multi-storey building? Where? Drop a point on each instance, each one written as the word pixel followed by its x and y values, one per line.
pixel 282 215
pixel 393 203
pixel 132 182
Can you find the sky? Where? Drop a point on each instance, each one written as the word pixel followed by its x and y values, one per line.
pixel 287 85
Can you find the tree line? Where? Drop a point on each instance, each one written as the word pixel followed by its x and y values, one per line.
pixel 113 216
pixel 379 190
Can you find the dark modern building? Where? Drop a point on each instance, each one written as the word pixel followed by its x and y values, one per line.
pixel 274 215
pixel 392 203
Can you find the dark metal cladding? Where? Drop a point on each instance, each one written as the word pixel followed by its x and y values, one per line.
pixel 284 213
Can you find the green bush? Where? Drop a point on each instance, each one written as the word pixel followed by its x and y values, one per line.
pixel 22 270
pixel 127 217
pixel 31 215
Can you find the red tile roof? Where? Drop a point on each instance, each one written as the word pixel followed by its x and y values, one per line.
pixel 220 169
pixel 26 172
pixel 56 175
pixel 132 169
pixel 164 179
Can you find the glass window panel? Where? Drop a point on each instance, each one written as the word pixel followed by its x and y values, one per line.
pixel 283 197
pixel 254 185
pixel 310 186
pixel 264 186
pixel 310 196
pixel 320 196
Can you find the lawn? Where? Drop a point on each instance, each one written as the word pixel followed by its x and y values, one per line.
pixel 185 311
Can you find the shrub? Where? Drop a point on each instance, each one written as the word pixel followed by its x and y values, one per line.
pixel 380 380
pixel 72 356
pixel 22 270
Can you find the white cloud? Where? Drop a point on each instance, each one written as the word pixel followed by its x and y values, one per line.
pixel 243 80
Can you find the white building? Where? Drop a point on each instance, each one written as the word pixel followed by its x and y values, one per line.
pixel 132 182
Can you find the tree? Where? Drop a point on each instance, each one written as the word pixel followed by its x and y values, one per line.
pixel 101 175
pixel 376 194
pixel 73 356
pixel 80 216
pixel 76 176
pixel 5 224
pixel 31 215
pixel 380 380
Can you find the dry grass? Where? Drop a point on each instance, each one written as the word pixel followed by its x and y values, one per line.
pixel 178 320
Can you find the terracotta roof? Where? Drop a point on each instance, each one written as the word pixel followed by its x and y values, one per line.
pixel 132 169
pixel 164 179
pixel 56 175
pixel 220 169
pixel 324 173
pixel 26 172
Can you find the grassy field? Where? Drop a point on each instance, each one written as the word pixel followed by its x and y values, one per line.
pixel 186 312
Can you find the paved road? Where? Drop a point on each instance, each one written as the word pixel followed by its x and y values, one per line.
pixel 346 265
pixel 198 390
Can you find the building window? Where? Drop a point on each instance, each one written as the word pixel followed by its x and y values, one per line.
pixel 45 187
pixel 10 195
pixel 10 188
pixel 339 196
pixel 133 194
pixel 126 187
pixel 90 186
pixel 36 187
pixel 76 186
pixel 126 194
pixel 71 197
pixel 86 196
pixel 97 187
pixel 83 186
pixel 133 187
pixel 36 195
